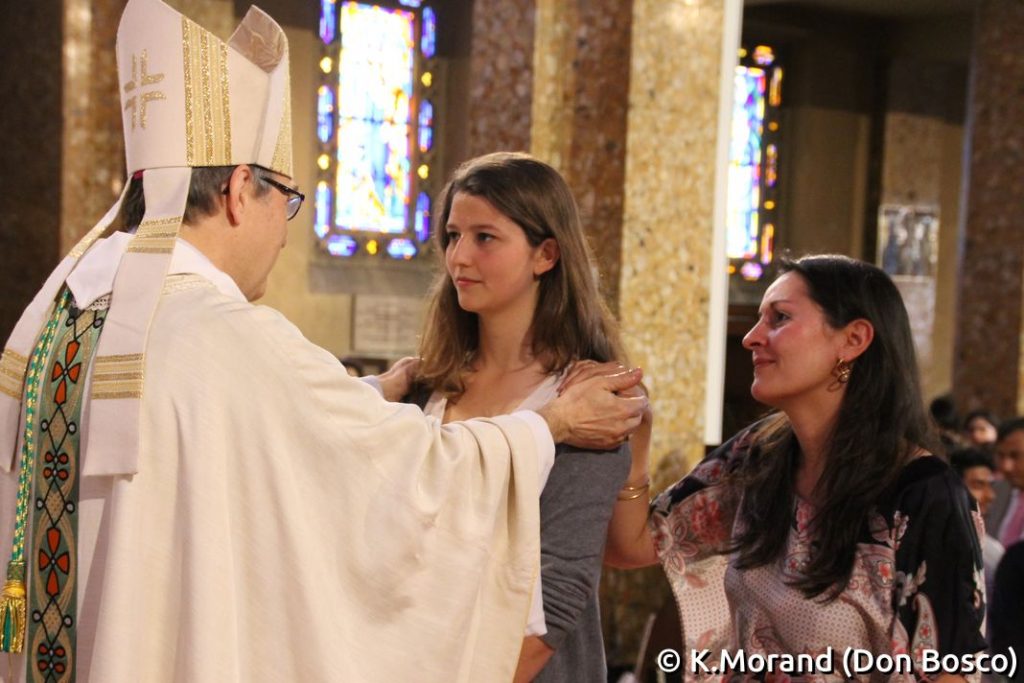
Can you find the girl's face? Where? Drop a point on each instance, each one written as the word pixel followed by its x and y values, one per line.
pixel 492 265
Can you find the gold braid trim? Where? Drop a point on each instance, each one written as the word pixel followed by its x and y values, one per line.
pixel 12 373
pixel 117 376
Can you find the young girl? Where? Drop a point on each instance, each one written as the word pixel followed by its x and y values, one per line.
pixel 516 305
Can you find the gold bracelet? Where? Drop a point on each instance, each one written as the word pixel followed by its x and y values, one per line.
pixel 633 492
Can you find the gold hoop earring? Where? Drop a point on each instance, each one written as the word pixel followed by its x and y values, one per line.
pixel 842 371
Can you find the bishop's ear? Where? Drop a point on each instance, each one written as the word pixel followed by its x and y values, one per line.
pixel 236 194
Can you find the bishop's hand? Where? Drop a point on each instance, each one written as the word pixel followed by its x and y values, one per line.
pixel 591 414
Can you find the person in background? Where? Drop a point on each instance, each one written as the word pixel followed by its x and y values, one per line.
pixel 514 308
pixel 981 428
pixel 1010 463
pixel 947 421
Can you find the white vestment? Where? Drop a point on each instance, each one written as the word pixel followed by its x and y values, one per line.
pixel 288 524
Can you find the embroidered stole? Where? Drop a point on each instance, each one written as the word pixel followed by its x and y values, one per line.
pixel 52 563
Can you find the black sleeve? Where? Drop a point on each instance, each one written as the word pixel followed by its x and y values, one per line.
pixel 575 509
pixel 938 562
pixel 1007 612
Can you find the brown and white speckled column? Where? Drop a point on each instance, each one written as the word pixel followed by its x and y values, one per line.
pixel 580 99
pixel 989 356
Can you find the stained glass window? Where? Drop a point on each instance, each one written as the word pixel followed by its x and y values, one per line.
pixel 753 163
pixel 375 128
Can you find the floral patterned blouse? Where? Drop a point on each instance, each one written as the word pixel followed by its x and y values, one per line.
pixel 917 586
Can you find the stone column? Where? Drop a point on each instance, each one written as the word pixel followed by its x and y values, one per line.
pixel 672 292
pixel 988 365
pixel 669 260
pixel 501 76
pixel 93 145
pixel 580 100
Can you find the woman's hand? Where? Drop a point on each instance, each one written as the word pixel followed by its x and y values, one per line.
pixel 397 380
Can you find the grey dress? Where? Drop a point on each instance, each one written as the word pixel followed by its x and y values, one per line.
pixel 575 508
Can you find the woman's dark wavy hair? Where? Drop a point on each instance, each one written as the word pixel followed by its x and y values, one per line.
pixel 571 321
pixel 881 424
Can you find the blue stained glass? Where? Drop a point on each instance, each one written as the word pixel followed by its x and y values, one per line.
pixel 744 191
pixel 426 126
pixel 423 217
pixel 428 43
pixel 401 249
pixel 341 245
pixel 375 93
pixel 328 21
pixel 321 224
pixel 324 113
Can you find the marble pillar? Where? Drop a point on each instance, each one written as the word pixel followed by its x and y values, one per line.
pixel 668 257
pixel 673 278
pixel 988 364
pixel 580 100
pixel 501 76
pixel 93 145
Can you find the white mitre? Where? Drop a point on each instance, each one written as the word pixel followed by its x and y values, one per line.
pixel 188 99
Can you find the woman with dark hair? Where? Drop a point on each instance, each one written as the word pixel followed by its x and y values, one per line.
pixel 516 304
pixel 828 525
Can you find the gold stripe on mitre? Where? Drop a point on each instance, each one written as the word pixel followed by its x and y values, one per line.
pixel 207 101
pixel 118 376
pixel 156 236
pixel 282 161
pixel 12 373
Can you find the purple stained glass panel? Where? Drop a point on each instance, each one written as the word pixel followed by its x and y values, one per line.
pixel 324 113
pixel 328 20
pixel 752 270
pixel 402 248
pixel 423 217
pixel 426 126
pixel 428 42
pixel 341 245
pixel 744 190
pixel 321 224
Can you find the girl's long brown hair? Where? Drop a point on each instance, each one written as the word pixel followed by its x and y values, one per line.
pixel 571 321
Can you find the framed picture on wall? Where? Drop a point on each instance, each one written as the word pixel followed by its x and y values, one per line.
pixel 908 240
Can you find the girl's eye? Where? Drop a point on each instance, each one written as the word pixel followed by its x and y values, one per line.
pixel 452 236
pixel 484 237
